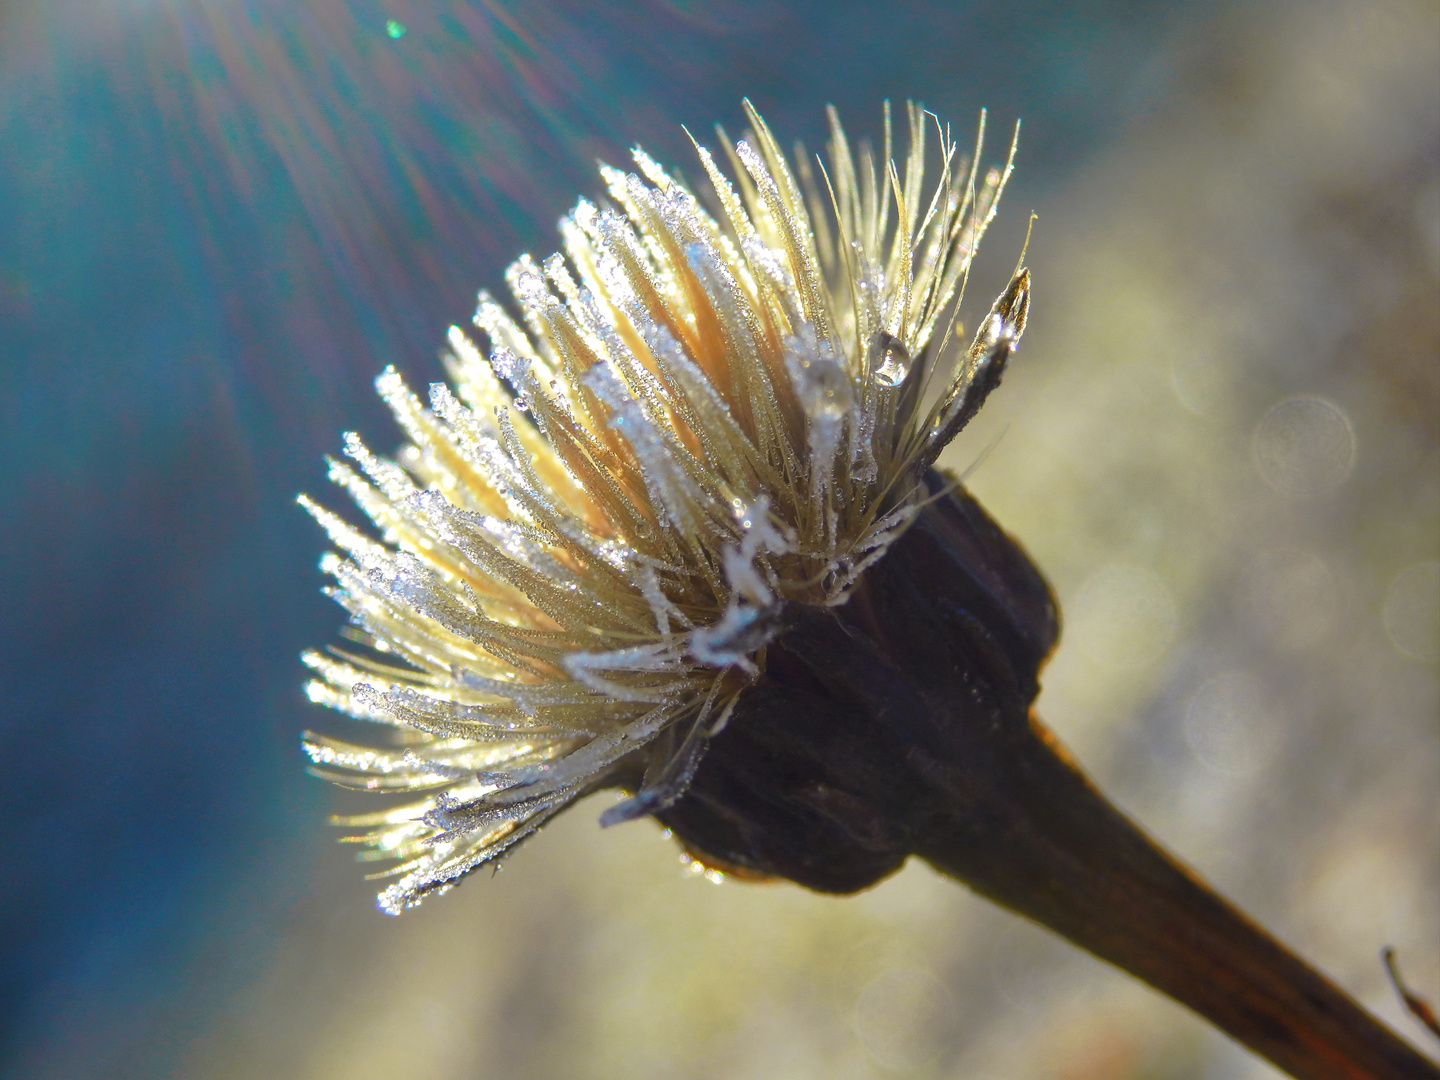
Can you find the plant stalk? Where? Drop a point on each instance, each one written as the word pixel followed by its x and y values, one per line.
pixel 1056 851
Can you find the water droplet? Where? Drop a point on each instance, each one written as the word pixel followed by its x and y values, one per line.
pixel 522 405
pixel 893 369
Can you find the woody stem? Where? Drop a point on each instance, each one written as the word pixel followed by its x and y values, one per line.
pixel 1051 847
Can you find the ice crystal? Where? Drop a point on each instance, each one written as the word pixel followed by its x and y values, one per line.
pixel 586 544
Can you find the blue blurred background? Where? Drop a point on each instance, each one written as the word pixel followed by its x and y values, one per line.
pixel 219 219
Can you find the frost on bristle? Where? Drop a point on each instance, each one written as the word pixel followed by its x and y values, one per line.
pixel 750 620
pixel 827 395
pixel 670 487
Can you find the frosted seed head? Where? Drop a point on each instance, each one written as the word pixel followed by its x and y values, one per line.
pixel 719 425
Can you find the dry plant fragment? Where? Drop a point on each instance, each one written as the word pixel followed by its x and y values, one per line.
pixel 696 420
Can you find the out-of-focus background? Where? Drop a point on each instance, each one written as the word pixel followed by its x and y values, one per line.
pixel 220 218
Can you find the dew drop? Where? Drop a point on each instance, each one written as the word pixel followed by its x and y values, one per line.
pixel 895 364
pixel 891 372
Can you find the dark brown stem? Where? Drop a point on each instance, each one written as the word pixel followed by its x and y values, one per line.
pixel 1055 850
pixel 901 723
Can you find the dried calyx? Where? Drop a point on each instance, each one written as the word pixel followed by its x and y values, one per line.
pixel 843 759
